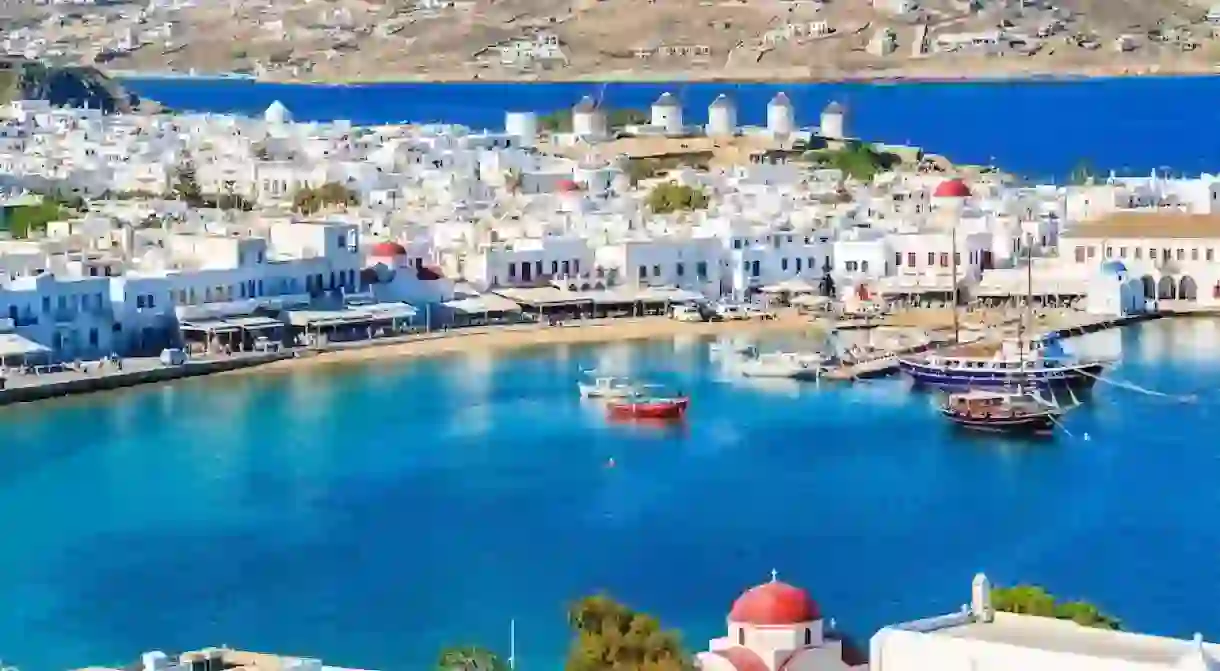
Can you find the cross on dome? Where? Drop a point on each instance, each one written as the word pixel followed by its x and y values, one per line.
pixel 774 575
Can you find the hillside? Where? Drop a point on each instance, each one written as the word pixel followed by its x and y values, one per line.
pixel 688 39
pixel 63 86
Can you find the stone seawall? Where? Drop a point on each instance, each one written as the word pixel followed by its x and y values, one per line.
pixel 86 384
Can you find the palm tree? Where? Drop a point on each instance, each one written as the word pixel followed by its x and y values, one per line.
pixel 469 658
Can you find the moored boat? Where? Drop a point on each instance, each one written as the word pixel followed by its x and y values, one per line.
pixel 645 405
pixel 1014 413
pixel 608 387
pixel 1039 365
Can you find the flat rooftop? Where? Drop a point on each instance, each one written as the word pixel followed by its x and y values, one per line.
pixel 1062 636
pixel 1159 225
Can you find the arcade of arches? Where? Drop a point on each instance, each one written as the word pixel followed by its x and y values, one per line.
pixel 1169 287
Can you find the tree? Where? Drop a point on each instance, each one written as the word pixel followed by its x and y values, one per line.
pixel 857 160
pixel 609 635
pixel 469 658
pixel 1034 600
pixel 308 200
pixel 672 197
pixel 1083 173
pixel 186 184
pixel 24 220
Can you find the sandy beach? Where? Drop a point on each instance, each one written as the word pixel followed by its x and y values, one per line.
pixel 517 336
pixel 506 337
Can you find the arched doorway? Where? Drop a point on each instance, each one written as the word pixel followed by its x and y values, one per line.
pixel 1149 287
pixel 1167 288
pixel 1188 290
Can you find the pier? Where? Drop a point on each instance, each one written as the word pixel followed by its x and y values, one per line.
pixel 25 388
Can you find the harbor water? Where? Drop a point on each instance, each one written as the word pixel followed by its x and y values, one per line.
pixel 372 515
pixel 1036 129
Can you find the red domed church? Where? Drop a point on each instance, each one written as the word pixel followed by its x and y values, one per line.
pixel 778 627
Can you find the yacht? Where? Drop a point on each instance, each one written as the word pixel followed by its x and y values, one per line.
pixel 1035 364
pixel 789 365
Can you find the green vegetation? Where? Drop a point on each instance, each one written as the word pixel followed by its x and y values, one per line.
pixel 1083 173
pixel 186 184
pixel 25 219
pixel 857 160
pixel 1033 600
pixel 560 121
pixel 673 197
pixel 309 201
pixel 470 658
pixel 609 636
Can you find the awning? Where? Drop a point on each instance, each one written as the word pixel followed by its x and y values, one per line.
pixel 478 305
pixel 254 323
pixel 320 318
pixel 809 300
pixel 12 344
pixel 794 285
pixel 209 326
pixel 383 311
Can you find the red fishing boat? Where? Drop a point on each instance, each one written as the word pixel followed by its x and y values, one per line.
pixel 644 405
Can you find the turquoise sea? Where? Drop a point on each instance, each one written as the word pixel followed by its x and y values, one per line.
pixel 371 515
pixel 1038 129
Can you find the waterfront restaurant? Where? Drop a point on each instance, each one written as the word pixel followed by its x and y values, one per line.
pixel 244 325
pixel 353 321
pixel 549 302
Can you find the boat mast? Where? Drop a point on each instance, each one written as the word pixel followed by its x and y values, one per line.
pixel 1029 301
pixel 953 281
pixel 512 643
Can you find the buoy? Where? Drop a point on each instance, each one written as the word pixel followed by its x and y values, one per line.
pixel 610 462
pixel 1086 437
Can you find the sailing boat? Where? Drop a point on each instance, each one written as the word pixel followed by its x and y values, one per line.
pixel 1025 364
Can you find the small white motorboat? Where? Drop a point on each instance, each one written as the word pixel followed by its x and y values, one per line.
pixel 788 365
pixel 608 387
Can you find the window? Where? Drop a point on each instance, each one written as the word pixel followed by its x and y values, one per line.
pixel 737 243
pixel 1194 254
pixel 931 258
pixel 783 264
pixel 852 266
pixel 554 267
pixel 567 267
pixel 1152 254
pixel 864 266
pixel 798 264
pixel 911 259
pixel 1092 252
pixel 957 259
pixel 1208 255
pixel 512 270
pixel 1181 254
pixel 701 270
pixel 897 259
pixel 1109 252
pixel 679 270
pixel 575 266
pixel 643 272
pixel 1122 252
pixel 808 636
pixel 1080 255
pixel 656 271
pixel 93 337
pixel 1138 253
pixel 944 259
pixel 741 636
pixel 140 301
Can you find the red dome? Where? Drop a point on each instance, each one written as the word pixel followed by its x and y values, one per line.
pixel 951 188
pixel 568 185
pixel 775 603
pixel 388 249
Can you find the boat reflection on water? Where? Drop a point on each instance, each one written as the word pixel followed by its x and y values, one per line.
pixel 676 426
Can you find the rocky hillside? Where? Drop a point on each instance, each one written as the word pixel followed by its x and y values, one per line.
pixel 63 86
